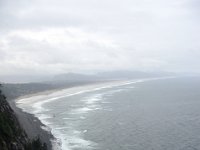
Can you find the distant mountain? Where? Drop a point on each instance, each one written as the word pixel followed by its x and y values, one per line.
pixel 131 74
pixel 112 75
pixel 13 91
pixel 75 77
pixel 24 78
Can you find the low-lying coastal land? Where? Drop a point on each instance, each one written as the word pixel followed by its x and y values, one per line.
pixel 34 128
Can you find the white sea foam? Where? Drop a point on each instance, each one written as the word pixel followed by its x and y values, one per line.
pixel 75 142
pixel 46 128
pixel 68 118
pixel 61 128
pixel 56 144
pixel 81 117
pixel 84 131
pixel 73 139
pixel 91 100
pixel 81 110
pixel 42 99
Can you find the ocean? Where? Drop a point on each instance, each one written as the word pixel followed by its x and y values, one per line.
pixel 143 114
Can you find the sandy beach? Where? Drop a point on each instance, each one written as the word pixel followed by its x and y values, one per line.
pixel 29 110
pixel 32 125
pixel 32 121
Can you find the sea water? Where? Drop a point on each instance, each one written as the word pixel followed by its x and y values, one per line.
pixel 153 114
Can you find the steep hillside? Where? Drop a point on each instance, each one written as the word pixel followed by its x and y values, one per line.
pixel 12 136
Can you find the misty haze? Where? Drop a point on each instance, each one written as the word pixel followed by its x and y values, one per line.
pixel 99 75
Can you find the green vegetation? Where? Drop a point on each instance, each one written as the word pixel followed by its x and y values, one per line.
pixel 12 136
pixel 36 145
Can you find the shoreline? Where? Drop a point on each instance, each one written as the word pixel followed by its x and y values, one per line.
pixel 33 126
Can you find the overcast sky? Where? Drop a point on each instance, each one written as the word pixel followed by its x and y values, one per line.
pixel 58 36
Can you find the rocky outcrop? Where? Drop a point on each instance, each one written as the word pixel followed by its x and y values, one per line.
pixel 12 136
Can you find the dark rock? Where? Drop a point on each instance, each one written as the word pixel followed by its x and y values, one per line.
pixel 12 136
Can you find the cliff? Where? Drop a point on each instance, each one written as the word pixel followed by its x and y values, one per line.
pixel 12 136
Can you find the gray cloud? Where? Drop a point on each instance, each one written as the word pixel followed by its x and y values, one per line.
pixel 47 36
